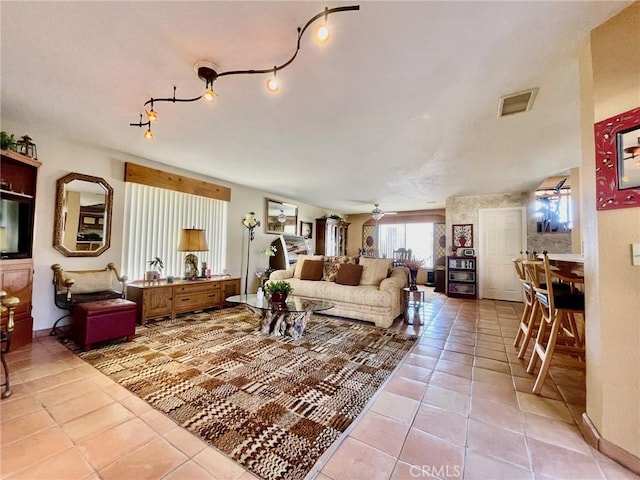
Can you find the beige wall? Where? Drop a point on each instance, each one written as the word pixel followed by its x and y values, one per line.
pixel 610 84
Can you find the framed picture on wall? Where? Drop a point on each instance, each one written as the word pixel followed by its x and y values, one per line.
pixel 306 229
pixel 463 235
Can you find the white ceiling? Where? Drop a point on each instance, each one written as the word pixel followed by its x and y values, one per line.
pixel 399 108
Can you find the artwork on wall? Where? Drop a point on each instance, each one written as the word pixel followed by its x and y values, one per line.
pixel 617 142
pixel 463 235
pixel 306 229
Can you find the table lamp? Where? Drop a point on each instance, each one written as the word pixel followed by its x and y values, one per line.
pixel 192 240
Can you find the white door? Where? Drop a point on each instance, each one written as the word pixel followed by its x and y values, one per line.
pixel 502 236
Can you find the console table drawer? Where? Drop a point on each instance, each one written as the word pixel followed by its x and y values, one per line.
pixel 196 288
pixel 196 301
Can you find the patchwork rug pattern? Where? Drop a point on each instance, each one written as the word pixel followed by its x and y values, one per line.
pixel 274 405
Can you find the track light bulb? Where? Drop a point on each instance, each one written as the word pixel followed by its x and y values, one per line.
pixel 209 95
pixel 148 134
pixel 152 115
pixel 322 33
pixel 273 85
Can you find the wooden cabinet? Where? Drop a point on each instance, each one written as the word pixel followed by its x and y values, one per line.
pixel 231 287
pixel 461 277
pixel 18 179
pixel 331 236
pixel 16 278
pixel 162 299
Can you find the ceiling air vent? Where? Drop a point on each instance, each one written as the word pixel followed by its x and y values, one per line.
pixel 516 102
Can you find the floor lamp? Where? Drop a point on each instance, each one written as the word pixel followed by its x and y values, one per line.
pixel 251 223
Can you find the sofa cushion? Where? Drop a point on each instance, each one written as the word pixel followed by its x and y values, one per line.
pixel 300 262
pixel 374 270
pixel 312 270
pixel 349 274
pixel 331 265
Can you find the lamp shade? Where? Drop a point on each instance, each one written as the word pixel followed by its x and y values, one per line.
pixel 192 240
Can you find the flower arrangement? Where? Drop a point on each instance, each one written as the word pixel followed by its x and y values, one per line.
pixel 270 251
pixel 413 264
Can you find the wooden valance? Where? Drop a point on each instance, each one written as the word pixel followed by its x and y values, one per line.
pixel 171 181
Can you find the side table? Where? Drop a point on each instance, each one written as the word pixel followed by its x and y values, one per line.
pixel 413 301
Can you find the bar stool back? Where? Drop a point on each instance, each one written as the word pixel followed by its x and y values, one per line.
pixel 530 314
pixel 558 321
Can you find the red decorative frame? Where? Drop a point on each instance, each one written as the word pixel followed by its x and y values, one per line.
pixel 462 235
pixel 609 195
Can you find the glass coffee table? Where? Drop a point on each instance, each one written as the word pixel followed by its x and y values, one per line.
pixel 290 319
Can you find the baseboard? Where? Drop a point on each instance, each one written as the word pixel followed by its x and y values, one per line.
pixel 604 446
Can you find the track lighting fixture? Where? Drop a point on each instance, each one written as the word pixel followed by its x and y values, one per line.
pixel 206 71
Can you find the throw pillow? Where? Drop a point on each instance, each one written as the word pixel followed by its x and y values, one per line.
pixel 300 262
pixel 349 274
pixel 312 270
pixel 331 265
pixel 375 270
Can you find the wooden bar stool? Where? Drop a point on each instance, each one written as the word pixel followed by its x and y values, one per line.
pixel 557 332
pixel 530 314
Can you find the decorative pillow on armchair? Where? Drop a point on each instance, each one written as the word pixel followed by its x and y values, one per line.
pixel 331 265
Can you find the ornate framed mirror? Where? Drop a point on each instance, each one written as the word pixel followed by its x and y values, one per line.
pixel 280 217
pixel 82 216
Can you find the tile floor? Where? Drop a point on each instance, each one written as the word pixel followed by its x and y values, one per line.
pixel 458 407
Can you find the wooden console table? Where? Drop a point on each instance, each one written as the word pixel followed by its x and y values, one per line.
pixel 161 299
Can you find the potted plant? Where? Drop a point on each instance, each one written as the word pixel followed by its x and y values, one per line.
pixel 278 292
pixel 7 142
pixel 156 265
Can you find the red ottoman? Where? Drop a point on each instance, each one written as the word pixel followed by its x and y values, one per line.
pixel 103 320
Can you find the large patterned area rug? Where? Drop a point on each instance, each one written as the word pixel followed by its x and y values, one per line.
pixel 274 405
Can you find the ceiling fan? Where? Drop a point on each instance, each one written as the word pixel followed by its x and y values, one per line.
pixel 377 213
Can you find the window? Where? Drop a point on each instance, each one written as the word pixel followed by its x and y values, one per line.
pixel 553 211
pixel 156 217
pixel 416 236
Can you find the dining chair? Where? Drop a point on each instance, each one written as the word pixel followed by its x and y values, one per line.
pixel 400 256
pixel 557 332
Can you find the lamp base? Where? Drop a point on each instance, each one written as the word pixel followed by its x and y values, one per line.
pixel 191 267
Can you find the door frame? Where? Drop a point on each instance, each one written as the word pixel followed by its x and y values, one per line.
pixel 480 253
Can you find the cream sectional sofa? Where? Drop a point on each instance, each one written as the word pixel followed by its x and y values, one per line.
pixel 380 301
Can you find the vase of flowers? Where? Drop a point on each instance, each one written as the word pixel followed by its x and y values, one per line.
pixel 268 252
pixel 413 265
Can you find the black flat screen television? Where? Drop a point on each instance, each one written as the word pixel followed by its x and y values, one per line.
pixel 16 226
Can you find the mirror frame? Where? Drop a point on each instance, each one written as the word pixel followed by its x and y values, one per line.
pixel 609 136
pixel 59 218
pixel 278 204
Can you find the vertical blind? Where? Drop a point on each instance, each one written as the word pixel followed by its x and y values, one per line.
pixel 154 218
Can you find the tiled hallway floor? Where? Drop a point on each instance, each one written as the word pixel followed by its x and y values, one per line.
pixel 458 407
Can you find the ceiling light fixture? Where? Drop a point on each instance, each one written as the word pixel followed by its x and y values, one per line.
pixel 376 213
pixel 206 71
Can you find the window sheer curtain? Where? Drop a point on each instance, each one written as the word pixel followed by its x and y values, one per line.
pixel 154 218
